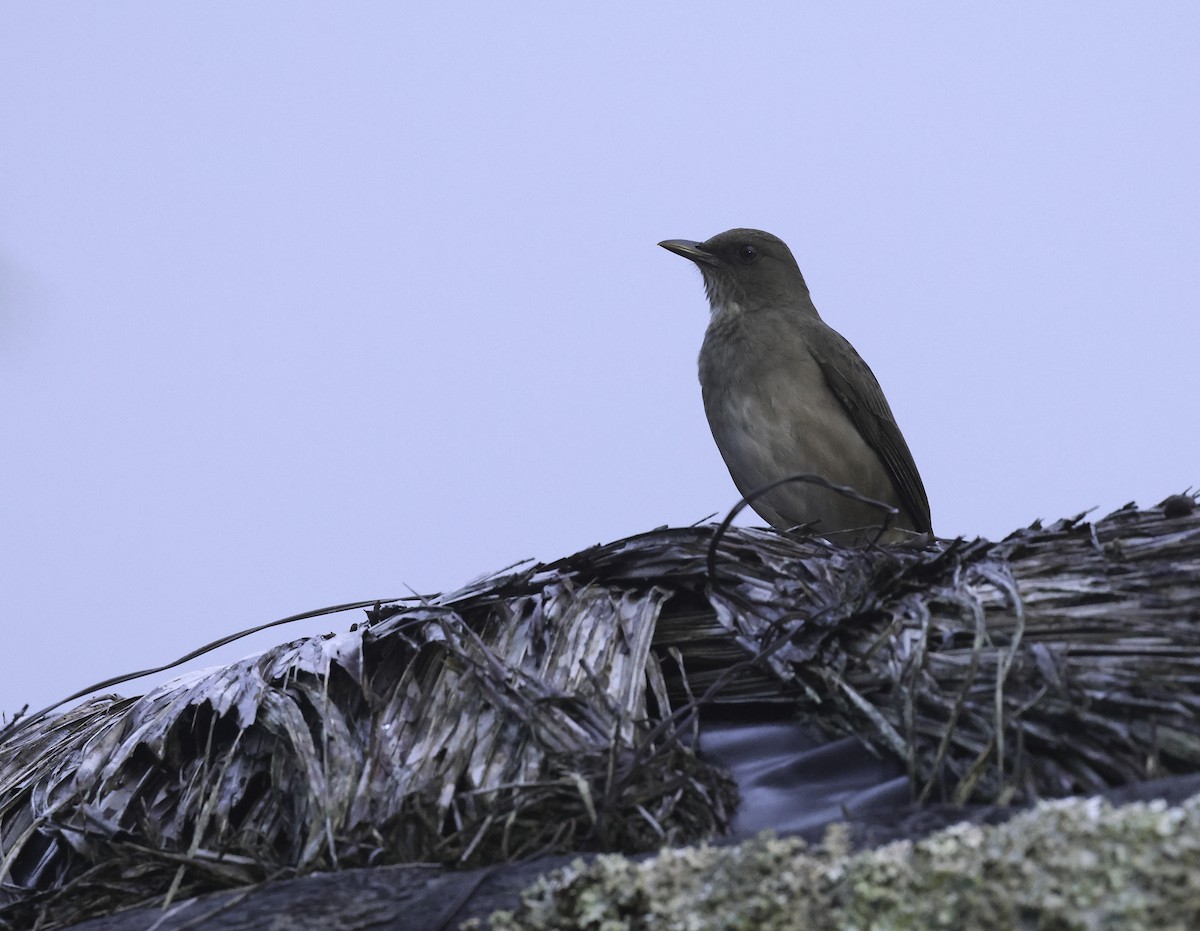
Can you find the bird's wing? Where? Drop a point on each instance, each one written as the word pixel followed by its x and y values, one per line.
pixel 854 384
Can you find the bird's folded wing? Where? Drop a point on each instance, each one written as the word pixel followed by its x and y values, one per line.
pixel 854 384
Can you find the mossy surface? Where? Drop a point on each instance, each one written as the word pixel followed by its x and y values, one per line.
pixel 1064 865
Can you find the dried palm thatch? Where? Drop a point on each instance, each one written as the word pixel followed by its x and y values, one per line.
pixel 551 707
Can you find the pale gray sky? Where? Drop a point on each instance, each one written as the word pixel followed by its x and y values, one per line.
pixel 305 303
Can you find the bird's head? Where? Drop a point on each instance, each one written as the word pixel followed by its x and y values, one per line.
pixel 744 270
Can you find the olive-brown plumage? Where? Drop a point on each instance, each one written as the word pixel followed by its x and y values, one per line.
pixel 786 394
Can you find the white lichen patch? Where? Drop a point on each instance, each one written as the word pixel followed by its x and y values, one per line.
pixel 1065 865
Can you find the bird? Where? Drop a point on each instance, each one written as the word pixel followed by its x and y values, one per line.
pixel 786 394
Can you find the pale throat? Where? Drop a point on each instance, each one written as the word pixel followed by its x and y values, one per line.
pixel 721 303
pixel 724 309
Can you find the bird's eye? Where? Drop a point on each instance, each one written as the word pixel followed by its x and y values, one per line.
pixel 747 253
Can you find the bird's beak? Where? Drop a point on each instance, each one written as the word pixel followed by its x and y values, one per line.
pixel 689 250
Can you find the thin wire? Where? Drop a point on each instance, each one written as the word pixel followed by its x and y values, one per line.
pixel 17 725
pixel 889 511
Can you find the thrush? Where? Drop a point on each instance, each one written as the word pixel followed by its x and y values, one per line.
pixel 786 394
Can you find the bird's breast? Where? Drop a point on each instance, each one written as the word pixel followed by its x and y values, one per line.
pixel 772 415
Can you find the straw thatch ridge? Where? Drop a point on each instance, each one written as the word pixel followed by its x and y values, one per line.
pixel 546 709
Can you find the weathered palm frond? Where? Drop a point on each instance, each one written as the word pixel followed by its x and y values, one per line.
pixel 546 708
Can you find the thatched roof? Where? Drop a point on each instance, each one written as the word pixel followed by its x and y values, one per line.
pixel 551 707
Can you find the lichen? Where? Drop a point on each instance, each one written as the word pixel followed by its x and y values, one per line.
pixel 1072 865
